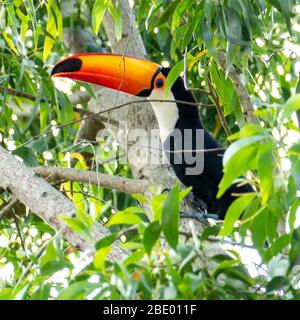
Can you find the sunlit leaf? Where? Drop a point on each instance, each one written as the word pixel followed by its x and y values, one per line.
pixel 151 235
pixel 127 216
pixel 98 12
pixel 234 212
pixel 170 217
pixel 166 14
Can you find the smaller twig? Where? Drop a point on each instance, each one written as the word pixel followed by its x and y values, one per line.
pixel 125 231
pixel 18 230
pixel 81 192
pixel 178 151
pixel 217 240
pixel 27 270
pixel 58 127
pixel 87 195
pixel 20 94
pixel 9 207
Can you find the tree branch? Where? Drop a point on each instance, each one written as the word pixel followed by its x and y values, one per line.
pixel 241 91
pixel 105 180
pixel 46 202
pixel 8 207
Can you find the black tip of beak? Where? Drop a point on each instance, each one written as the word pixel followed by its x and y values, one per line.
pixel 69 65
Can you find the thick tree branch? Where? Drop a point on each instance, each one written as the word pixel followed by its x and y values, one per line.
pixel 112 182
pixel 45 201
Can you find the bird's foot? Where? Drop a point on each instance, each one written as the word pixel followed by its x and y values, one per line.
pixel 196 202
pixel 200 216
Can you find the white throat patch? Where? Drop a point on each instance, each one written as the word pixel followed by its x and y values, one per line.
pixel 166 113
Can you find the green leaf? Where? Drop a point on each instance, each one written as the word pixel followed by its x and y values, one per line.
pixel 179 12
pixel 235 147
pixel 88 88
pixel 151 234
pixel 77 225
pixel 78 290
pixel 265 170
pixel 58 19
pixel 238 165
pixel 98 13
pixel 134 258
pixel 226 90
pixel 27 155
pixel 24 26
pixel 66 111
pixel 54 251
pixel 118 21
pixel 277 283
pixel 5 293
pixel 184 193
pixel 278 245
pixel 233 26
pixel 250 211
pixel 292 105
pixel 34 110
pixel 127 216
pixel 44 112
pixel 140 198
pixel 20 292
pixel 248 130
pixel 100 257
pixel 286 8
pixel 106 241
pixel 53 266
pixel 232 53
pixel 234 212
pixel 259 230
pixel 170 217
pixel 210 231
pixel 166 14
pixel 157 206
pixel 227 264
pixel 51 33
pixel 189 32
pixel 208 39
pixel 172 76
pixel 175 73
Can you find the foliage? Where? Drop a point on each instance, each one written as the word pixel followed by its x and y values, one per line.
pixel 259 38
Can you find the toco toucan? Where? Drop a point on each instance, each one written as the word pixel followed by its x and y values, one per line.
pixel 147 79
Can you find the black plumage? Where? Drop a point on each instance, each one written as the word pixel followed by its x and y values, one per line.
pixel 205 185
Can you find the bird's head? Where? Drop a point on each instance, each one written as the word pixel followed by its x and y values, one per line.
pixel 134 76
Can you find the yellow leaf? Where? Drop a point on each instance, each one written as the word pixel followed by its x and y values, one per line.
pixel 10 43
pixel 51 29
pixel 80 158
pixel 67 186
pixel 197 58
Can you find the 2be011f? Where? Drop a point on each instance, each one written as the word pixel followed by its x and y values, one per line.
pixel 169 309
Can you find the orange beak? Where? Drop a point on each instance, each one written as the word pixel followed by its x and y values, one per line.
pixel 123 73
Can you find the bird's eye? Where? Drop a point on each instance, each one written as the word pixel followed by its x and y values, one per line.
pixel 159 83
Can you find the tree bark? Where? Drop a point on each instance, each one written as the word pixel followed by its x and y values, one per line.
pixel 117 183
pixel 46 202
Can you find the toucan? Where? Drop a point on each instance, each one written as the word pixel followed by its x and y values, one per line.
pixel 177 115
